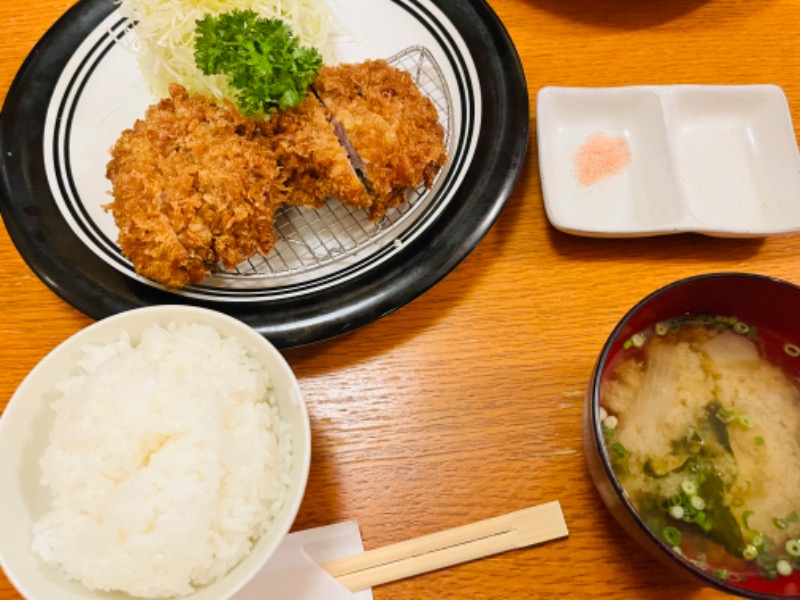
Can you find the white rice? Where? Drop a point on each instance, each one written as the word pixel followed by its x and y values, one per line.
pixel 167 461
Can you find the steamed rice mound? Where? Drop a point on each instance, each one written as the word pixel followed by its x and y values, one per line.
pixel 166 462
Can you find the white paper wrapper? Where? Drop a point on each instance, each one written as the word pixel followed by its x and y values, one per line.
pixel 294 571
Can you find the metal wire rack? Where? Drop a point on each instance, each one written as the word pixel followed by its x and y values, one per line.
pixel 315 239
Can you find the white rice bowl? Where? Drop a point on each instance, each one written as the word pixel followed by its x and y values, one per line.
pixel 193 456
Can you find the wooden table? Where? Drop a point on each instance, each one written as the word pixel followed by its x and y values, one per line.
pixel 467 403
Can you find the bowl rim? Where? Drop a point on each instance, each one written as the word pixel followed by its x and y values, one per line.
pixel 599 442
pixel 227 326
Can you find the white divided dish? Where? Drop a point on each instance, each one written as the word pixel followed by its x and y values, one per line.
pixel 653 160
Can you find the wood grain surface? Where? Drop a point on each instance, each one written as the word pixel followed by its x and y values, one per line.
pixel 467 402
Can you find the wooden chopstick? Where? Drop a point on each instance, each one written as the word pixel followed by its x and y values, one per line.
pixel 450 547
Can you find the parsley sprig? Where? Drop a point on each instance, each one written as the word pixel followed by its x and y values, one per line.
pixel 262 59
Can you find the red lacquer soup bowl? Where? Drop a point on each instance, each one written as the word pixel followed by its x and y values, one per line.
pixel 765 309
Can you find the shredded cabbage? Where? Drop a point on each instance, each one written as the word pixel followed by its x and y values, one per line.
pixel 165 36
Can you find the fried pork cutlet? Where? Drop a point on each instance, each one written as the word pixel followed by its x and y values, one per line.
pixel 194 185
pixel 390 124
pixel 314 163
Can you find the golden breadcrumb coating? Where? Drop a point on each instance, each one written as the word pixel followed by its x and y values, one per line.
pixel 392 126
pixel 314 163
pixel 194 185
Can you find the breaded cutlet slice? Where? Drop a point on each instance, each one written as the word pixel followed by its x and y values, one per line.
pixel 391 125
pixel 314 163
pixel 194 185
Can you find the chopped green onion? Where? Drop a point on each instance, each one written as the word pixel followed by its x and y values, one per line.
pixel 619 449
pixel 721 574
pixel 725 415
pixel 740 327
pixel 677 550
pixel 689 487
pixel 758 540
pixel 627 345
pixel 792 350
pixel 707 523
pixel 750 552
pixel 783 567
pixel 638 340
pixel 676 500
pixel 792 517
pixel 780 523
pixel 700 478
pixel 793 547
pixel 603 414
pixel 745 421
pixel 759 441
pixel 737 501
pixel 611 422
pixel 697 502
pixel 607 432
pixel 745 516
pixel 676 512
pixel 671 535
pixel 661 329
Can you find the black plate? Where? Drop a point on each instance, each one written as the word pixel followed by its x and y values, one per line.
pixel 44 209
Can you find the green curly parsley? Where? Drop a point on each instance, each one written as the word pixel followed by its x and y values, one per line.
pixel 261 58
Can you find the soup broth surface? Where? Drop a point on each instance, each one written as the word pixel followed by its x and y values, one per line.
pixel 703 432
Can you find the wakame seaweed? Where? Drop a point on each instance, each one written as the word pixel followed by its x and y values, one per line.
pixel 725 530
pixel 717 426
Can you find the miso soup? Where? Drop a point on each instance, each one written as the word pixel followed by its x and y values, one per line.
pixel 702 428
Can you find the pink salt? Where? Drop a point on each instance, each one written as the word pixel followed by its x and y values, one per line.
pixel 600 157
